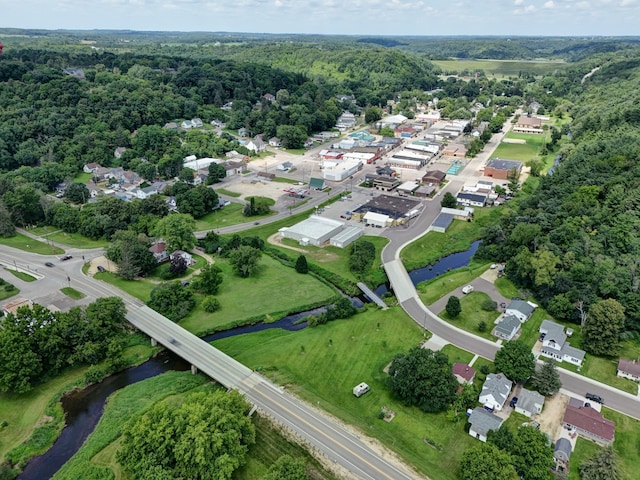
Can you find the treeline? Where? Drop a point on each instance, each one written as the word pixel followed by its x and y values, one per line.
pixel 575 240
pixel 36 343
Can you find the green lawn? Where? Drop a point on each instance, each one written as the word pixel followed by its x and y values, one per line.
pixel 25 277
pixel 604 370
pixel 472 315
pixel 531 328
pixel 459 237
pixel 273 291
pixel 137 288
pixel 72 293
pixel 457 355
pixel 323 364
pixel 4 294
pixel 228 193
pixel 507 288
pixel 82 177
pixel 229 215
pixel 285 180
pixel 436 288
pixel 28 244
pixel 76 240
pixel 501 68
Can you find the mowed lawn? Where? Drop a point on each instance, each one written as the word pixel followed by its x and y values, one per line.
pixel 521 152
pixel 323 364
pixel 272 290
pixel 28 244
pixel 501 68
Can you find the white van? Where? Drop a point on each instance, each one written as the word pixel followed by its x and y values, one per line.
pixel 360 389
pixel 467 289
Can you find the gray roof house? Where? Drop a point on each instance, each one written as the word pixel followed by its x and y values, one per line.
pixel 481 422
pixel 561 454
pixel 495 391
pixel 471 199
pixel 629 369
pixel 508 327
pixel 520 309
pixel 529 402
pixel 555 345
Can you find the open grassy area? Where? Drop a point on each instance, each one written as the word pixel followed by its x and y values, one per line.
pixel 530 331
pixel 285 180
pixel 25 277
pixel 228 193
pixel 324 373
pixel 458 238
pixel 501 68
pixel 472 315
pixel 507 288
pixel 229 215
pixel 137 288
pixel 28 244
pixel 72 293
pixel 4 294
pixel 272 290
pixel 436 288
pixel 521 152
pixel 76 240
pixel 82 177
pixel 456 355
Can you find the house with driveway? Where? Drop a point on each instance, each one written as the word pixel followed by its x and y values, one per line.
pixel 507 328
pixel 482 422
pixel 556 346
pixel 530 402
pixel 629 369
pixel 495 391
pixel 521 309
pixel 463 373
pixel 588 422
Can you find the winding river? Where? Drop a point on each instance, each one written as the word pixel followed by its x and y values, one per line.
pixel 83 408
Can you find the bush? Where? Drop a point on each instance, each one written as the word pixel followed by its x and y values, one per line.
pixel 489 305
pixel 485 369
pixel 210 304
pixel 9 287
pixel 482 326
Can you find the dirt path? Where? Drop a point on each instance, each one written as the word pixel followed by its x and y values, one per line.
pixel 550 419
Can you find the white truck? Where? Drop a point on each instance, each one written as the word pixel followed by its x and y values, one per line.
pixel 467 289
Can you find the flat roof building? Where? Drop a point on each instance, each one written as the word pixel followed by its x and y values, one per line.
pixel 315 230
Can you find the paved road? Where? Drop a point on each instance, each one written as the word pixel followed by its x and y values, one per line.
pixel 338 444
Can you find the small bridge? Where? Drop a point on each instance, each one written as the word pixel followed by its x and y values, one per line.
pixel 372 296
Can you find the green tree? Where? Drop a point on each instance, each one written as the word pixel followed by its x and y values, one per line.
pixel 6 223
pixel 453 307
pixel 287 468
pixel 217 172
pixel 532 453
pixel 602 466
pixel 372 114
pixel 466 397
pixel 186 174
pixel 423 378
pixel 208 281
pixel 292 136
pixel 514 177
pixel 486 462
pixel 448 200
pixel 211 304
pixel 205 437
pixel 177 230
pixel 245 260
pixel 77 192
pixel 543 263
pixel 361 256
pixel 603 326
pixel 387 132
pixel 515 360
pixel 546 380
pixel 501 438
pixel 301 264
pixel 172 300
pixel 19 364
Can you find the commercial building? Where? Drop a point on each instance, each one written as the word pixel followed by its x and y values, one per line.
pixel 500 168
pixel 315 230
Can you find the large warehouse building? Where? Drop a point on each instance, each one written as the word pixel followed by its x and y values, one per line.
pixel 315 230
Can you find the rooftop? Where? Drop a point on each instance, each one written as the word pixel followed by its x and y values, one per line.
pixel 629 366
pixel 590 420
pixel 503 164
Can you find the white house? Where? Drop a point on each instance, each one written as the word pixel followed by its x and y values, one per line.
pixel 508 327
pixel 471 199
pixel 495 391
pixel 159 250
pixel 529 402
pixel 482 422
pixel 555 345
pixel 275 142
pixel 520 309
pixel 256 144
pixel 629 369
pixel 185 255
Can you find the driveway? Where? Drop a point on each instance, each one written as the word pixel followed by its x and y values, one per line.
pixel 480 284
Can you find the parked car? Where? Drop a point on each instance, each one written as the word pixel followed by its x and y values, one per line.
pixel 513 402
pixel 493 266
pixel 101 269
pixel 48 264
pixel 467 289
pixel 594 397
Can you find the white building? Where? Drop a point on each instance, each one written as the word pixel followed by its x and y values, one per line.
pixel 349 235
pixel 315 230
pixel 340 170
pixel 377 219
pixel 495 391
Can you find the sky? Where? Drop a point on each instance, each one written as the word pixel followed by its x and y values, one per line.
pixel 345 17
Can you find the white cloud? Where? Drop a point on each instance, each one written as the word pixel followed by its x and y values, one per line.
pixel 549 4
pixel 518 2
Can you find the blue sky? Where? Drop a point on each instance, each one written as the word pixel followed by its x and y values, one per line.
pixel 382 17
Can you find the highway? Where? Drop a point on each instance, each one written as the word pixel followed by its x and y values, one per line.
pixel 316 429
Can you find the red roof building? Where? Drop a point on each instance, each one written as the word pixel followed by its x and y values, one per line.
pixel 589 423
pixel 463 373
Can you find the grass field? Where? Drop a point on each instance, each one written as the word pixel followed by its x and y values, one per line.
pixel 459 237
pixel 456 355
pixel 323 364
pixel 274 289
pixel 522 152
pixel 25 277
pixel 436 288
pixel 28 244
pixel 472 315
pixel 228 193
pixel 4 294
pixel 500 68
pixel 72 293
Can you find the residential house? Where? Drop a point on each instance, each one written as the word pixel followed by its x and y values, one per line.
pixel 217 123
pixel 520 309
pixel 186 124
pixel 172 204
pixel 159 250
pixel 184 255
pixel 275 142
pixel 346 120
pixel 227 106
pixel 243 132
pixel 629 369
pixel 91 167
pixel 269 97
pixel 145 192
pixel 495 391
pixel 256 144
pixel 463 373
pixel 555 345
pixel 588 422
pixel 471 199
pixel 500 168
pixel 119 151
pixel 171 126
pixel 434 177
pixel 526 124
pixel 529 402
pixel 94 190
pixel 507 328
pixel 561 454
pixel 308 143
pixel 130 177
pixel 196 123
pixel 233 168
pixel 482 422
